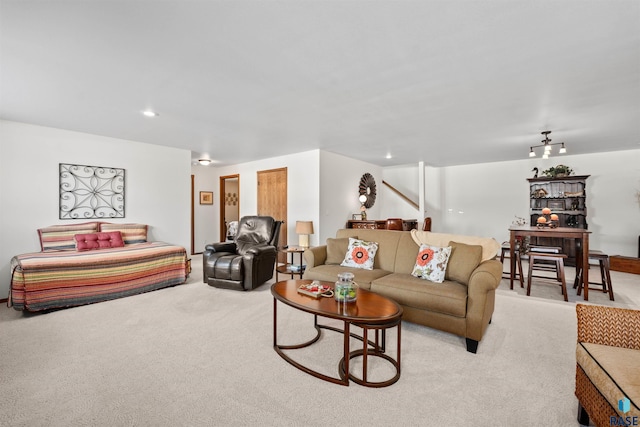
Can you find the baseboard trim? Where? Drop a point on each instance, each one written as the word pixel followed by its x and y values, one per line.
pixel 3 300
pixel 625 264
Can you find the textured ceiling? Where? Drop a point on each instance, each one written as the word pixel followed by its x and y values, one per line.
pixel 444 82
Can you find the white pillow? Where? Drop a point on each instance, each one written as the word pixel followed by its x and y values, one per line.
pixel 431 263
pixel 490 246
pixel 360 254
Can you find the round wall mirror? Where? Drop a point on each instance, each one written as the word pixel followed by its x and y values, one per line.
pixel 367 188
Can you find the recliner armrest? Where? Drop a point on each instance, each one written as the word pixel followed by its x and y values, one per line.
pixel 221 247
pixel 260 250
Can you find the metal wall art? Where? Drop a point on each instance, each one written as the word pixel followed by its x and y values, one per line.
pixel 367 188
pixel 91 192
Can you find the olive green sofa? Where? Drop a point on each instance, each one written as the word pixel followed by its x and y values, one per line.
pixel 462 305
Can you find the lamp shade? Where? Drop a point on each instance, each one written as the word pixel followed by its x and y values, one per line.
pixel 304 227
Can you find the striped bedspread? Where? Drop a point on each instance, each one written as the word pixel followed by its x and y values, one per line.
pixel 44 280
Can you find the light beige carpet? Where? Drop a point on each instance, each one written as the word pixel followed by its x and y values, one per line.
pixel 194 355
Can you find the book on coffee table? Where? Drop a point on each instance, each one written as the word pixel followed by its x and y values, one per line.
pixel 314 289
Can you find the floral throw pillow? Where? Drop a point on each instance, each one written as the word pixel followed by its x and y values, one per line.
pixel 360 254
pixel 431 263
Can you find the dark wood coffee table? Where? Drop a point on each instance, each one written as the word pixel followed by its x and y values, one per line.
pixel 369 312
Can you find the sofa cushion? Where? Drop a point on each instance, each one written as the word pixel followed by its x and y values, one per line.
pixel 447 297
pixel 60 237
pixel 463 260
pixel 329 273
pixel 87 242
pixel 131 233
pixel 613 371
pixel 360 254
pixel 431 263
pixel 336 249
pixel 387 244
pixel 490 247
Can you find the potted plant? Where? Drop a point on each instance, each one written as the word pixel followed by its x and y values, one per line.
pixel 558 171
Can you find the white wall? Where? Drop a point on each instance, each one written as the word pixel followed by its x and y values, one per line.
pixel 484 199
pixel 156 178
pixel 315 178
pixel 339 181
pixel 302 188
pixel 206 227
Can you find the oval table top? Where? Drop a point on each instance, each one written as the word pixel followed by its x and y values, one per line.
pixel 369 308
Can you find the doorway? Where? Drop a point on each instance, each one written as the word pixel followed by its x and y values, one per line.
pixel 272 200
pixel 229 202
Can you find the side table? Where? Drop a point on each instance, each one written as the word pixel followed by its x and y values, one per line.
pixel 286 268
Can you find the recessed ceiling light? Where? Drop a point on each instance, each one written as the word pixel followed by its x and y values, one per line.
pixel 149 113
pixel 388 156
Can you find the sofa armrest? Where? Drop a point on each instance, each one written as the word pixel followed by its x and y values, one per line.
pixel 610 326
pixel 481 297
pixel 315 256
pixel 486 277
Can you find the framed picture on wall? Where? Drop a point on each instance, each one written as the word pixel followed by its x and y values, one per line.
pixel 206 197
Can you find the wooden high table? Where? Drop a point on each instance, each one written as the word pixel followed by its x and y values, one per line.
pixel 581 236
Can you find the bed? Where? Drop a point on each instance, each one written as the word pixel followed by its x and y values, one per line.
pixel 55 277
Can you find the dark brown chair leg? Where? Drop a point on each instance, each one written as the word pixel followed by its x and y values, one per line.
pixel 583 417
pixel 563 281
pixel 578 278
pixel 529 276
pixel 578 283
pixel 608 276
pixel 519 261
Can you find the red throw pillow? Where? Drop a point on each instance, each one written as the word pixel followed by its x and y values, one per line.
pixel 87 242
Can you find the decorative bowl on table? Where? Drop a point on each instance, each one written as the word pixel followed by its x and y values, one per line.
pixel 548 224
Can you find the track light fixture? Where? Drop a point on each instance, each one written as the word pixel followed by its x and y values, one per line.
pixel 546 143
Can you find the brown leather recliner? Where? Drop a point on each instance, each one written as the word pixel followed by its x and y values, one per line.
pixel 249 260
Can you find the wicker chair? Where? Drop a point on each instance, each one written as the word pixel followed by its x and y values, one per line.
pixel 611 327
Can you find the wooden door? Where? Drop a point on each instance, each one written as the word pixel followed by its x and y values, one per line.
pixel 229 202
pixel 272 199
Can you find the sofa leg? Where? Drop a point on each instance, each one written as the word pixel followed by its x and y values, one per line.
pixel 472 345
pixel 583 417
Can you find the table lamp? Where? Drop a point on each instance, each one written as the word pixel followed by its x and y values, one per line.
pixel 363 209
pixel 303 229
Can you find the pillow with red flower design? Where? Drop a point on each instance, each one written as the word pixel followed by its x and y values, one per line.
pixel 360 254
pixel 431 263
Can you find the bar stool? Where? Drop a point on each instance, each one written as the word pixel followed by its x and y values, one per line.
pixel 546 265
pixel 605 275
pixel 506 249
pixel 557 259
